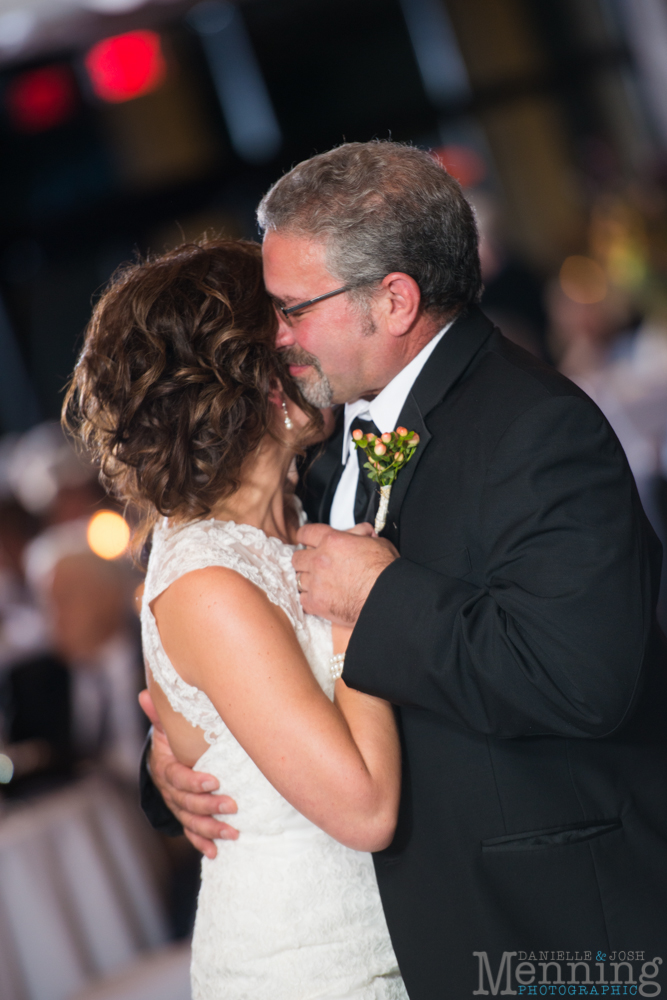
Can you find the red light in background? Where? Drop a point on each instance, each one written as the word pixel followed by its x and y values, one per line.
pixel 126 66
pixel 42 98
pixel 463 163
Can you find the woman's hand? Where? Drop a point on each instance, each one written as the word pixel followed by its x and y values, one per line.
pixel 338 569
pixel 340 634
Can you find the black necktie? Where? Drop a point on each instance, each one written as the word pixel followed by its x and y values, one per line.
pixel 367 490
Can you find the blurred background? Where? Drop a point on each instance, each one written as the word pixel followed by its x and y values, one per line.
pixel 127 126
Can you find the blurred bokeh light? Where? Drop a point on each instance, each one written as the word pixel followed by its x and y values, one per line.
pixel 463 163
pixel 6 769
pixel 42 99
pixel 583 280
pixel 108 534
pixel 126 66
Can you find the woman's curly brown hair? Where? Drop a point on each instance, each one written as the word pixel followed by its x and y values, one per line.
pixel 171 391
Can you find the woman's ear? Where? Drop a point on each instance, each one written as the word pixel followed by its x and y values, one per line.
pixel 276 394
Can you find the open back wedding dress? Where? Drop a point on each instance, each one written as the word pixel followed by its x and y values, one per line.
pixel 285 912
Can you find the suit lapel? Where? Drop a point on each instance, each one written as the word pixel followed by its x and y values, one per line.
pixel 440 373
pixel 411 418
pixel 319 474
pixel 442 370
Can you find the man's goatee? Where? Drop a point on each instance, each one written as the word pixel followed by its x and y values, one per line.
pixel 317 389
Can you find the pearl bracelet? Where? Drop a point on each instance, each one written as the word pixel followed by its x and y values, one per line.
pixel 336 666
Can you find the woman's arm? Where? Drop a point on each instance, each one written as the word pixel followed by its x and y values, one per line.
pixel 338 764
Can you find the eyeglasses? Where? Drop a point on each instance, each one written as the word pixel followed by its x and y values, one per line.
pixel 289 311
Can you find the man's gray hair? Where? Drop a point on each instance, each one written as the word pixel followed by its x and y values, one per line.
pixel 379 207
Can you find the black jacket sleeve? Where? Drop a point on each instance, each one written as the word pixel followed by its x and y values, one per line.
pixel 552 640
pixel 158 815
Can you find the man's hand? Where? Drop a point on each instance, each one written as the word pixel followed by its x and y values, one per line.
pixel 337 570
pixel 186 792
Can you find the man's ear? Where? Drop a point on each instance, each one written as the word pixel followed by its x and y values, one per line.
pixel 401 302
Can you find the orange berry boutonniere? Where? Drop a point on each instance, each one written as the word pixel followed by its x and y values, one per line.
pixel 387 454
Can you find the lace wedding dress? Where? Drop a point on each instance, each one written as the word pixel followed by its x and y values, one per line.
pixel 285 912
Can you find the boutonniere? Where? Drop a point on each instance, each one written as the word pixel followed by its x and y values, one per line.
pixel 387 455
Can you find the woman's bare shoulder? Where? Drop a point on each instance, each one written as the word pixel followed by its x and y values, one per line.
pixel 211 580
pixel 216 607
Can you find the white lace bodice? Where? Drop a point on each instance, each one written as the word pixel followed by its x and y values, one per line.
pixel 285 912
pixel 266 562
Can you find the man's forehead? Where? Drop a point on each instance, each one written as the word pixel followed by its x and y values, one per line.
pixel 292 262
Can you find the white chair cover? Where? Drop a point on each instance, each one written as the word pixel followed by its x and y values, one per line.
pixel 77 897
pixel 161 975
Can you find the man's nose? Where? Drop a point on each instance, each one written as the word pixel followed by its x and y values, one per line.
pixel 285 334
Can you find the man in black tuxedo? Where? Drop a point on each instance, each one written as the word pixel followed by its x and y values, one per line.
pixel 507 611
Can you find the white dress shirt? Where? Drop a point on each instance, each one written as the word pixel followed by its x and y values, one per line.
pixel 384 411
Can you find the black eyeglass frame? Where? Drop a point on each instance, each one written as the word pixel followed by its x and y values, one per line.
pixel 288 311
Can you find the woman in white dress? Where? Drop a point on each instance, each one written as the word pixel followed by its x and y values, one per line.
pixel 182 397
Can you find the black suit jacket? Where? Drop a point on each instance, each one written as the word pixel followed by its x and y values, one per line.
pixel 516 637
pixel 516 634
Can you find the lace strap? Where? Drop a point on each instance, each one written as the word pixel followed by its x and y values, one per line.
pixel 266 562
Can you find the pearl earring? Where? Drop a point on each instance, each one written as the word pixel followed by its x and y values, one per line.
pixel 288 420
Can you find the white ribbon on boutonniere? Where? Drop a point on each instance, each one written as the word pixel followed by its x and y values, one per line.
pixel 387 455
